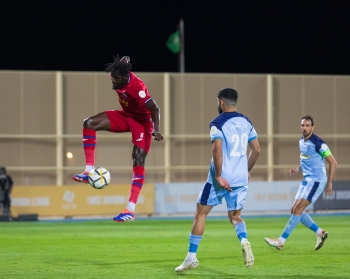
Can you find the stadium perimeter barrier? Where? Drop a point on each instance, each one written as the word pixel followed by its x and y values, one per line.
pixel 340 199
pixel 181 198
pixel 77 200
pixel 162 199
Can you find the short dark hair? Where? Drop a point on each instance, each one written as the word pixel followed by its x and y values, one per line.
pixel 119 66
pixel 308 117
pixel 228 95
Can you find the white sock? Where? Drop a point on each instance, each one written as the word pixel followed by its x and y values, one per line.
pixel 282 240
pixel 131 206
pixel 319 231
pixel 190 256
pixel 89 168
pixel 243 239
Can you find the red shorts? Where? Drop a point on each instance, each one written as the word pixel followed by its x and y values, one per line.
pixel 141 133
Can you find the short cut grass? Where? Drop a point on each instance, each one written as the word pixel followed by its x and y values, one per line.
pixel 152 248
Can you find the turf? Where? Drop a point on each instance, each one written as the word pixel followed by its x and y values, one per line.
pixel 153 248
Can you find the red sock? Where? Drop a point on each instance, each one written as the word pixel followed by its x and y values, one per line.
pixel 89 143
pixel 137 183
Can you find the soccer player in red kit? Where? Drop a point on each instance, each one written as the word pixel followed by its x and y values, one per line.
pixel 140 115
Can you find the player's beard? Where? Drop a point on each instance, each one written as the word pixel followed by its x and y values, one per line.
pixel 306 134
pixel 116 86
pixel 220 110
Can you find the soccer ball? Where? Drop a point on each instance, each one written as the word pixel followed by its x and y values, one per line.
pixel 99 178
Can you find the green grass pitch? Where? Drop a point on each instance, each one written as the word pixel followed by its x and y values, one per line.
pixel 152 248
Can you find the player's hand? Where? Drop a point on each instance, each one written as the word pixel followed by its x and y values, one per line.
pixel 223 183
pixel 329 190
pixel 294 171
pixel 157 136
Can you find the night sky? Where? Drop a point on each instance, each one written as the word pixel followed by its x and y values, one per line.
pixel 297 37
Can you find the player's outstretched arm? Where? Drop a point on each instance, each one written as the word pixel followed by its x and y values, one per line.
pixel 331 171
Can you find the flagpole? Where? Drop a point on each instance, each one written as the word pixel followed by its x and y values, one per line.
pixel 182 48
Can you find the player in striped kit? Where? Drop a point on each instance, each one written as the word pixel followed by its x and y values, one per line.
pixel 313 152
pixel 231 133
pixel 140 115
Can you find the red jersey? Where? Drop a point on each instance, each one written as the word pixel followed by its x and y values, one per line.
pixel 133 98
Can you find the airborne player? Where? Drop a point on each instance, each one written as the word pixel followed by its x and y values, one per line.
pixel 140 115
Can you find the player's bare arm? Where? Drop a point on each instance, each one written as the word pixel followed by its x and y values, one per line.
pixel 155 112
pixel 217 158
pixel 331 170
pixel 294 171
pixel 254 153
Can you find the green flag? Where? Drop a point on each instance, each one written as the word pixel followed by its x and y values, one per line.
pixel 173 42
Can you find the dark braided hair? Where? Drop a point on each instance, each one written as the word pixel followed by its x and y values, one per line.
pixel 119 66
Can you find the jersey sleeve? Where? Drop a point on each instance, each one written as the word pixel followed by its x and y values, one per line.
pixel 140 94
pixel 323 149
pixel 215 133
pixel 252 135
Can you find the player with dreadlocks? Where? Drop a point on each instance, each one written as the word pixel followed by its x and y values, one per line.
pixel 140 115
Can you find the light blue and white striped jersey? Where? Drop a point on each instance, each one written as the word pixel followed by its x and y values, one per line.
pixel 312 154
pixel 235 130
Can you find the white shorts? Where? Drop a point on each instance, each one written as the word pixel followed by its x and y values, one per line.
pixel 210 195
pixel 310 189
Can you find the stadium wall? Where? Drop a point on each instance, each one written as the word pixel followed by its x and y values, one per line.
pixel 73 200
pixel 163 199
pixel 159 199
pixel 42 115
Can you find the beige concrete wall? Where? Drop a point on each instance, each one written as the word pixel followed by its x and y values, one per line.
pixel 28 123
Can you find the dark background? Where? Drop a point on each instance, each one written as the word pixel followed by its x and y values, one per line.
pixel 301 37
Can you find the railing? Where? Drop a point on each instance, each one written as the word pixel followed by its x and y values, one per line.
pixel 167 165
